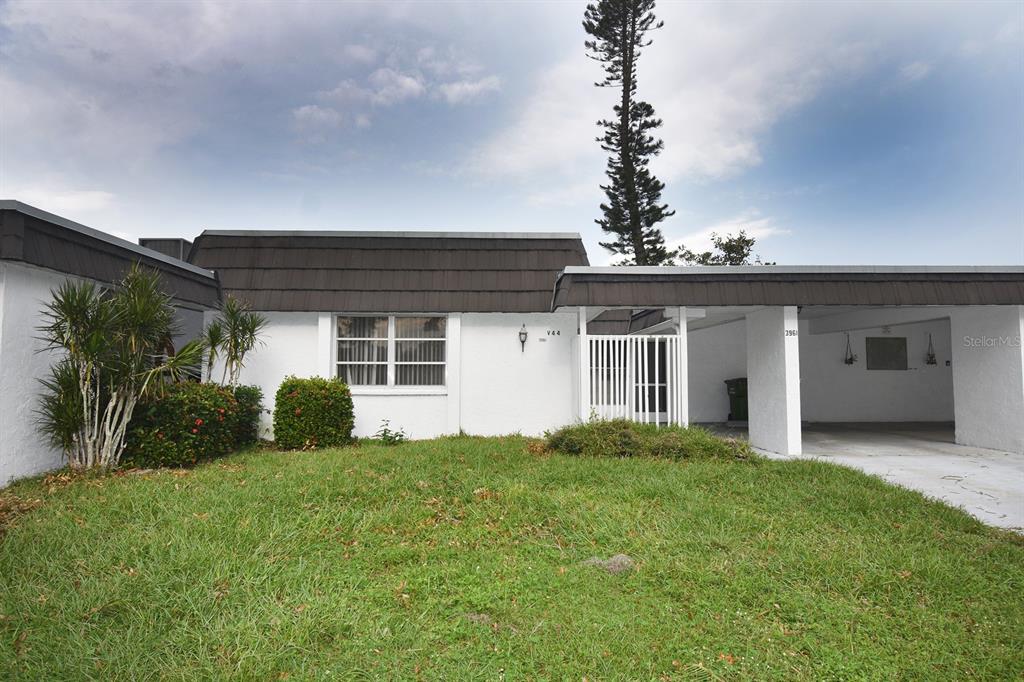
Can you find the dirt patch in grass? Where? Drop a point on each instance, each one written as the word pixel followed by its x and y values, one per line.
pixel 12 506
pixel 616 565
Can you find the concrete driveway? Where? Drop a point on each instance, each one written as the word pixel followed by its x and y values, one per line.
pixel 988 484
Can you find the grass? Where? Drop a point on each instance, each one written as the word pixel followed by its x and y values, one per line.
pixel 461 558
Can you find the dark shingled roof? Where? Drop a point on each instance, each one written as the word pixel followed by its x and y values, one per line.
pixel 639 287
pixel 397 272
pixel 30 235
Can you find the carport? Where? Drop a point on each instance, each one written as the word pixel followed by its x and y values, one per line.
pixel 830 344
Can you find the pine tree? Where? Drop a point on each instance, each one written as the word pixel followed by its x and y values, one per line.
pixel 633 207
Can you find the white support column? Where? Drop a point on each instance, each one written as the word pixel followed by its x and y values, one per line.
pixel 453 372
pixel 773 380
pixel 584 378
pixel 988 376
pixel 682 373
pixel 325 345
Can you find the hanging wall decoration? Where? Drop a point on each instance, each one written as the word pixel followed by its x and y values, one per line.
pixel 929 357
pixel 850 357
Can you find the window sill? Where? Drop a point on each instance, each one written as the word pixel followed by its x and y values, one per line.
pixel 398 390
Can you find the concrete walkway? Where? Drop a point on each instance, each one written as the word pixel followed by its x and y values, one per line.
pixel 988 484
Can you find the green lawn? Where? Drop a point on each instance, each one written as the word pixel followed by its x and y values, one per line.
pixel 461 559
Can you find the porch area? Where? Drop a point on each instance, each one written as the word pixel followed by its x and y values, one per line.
pixel 870 346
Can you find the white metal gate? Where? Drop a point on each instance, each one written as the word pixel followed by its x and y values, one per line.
pixel 638 378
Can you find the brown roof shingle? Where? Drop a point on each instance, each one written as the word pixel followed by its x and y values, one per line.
pixel 30 235
pixel 395 272
pixel 797 285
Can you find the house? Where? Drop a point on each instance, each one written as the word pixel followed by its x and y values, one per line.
pixel 496 333
pixel 438 332
pixel 38 252
pixel 426 327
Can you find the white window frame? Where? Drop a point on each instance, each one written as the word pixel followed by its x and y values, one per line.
pixel 391 388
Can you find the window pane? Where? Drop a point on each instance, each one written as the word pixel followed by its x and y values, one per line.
pixel 362 327
pixel 419 375
pixel 419 327
pixel 886 352
pixel 363 375
pixel 419 351
pixel 362 351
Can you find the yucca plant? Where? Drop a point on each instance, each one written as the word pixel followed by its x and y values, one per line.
pixel 232 336
pixel 213 340
pixel 116 346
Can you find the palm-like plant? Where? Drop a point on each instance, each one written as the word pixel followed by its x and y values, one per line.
pixel 213 340
pixel 233 335
pixel 115 345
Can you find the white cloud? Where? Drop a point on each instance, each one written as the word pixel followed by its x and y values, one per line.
pixel 753 223
pixel 312 122
pixel 445 63
pixel 360 53
pixel 459 92
pixel 390 87
pixel 58 200
pixel 719 77
pixel 384 87
pixel 915 71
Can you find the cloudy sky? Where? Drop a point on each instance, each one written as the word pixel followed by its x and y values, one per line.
pixel 835 133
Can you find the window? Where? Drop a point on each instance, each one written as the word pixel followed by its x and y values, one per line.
pixel 391 350
pixel 886 352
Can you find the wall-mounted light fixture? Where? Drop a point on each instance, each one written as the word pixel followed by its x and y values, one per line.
pixel 929 356
pixel 522 337
pixel 850 358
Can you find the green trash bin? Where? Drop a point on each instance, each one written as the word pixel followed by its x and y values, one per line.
pixel 737 389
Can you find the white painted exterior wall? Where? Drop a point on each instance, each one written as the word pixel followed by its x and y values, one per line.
pixel 24 290
pixel 833 391
pixel 289 347
pixel 830 390
pixel 988 373
pixel 493 385
pixel 715 354
pixel 508 389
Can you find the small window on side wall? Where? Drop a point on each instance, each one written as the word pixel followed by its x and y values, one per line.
pixel 886 352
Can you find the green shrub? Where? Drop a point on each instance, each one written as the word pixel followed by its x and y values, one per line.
pixel 624 438
pixel 184 424
pixel 312 413
pixel 247 422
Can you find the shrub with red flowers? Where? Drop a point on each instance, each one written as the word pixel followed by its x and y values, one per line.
pixel 312 413
pixel 186 423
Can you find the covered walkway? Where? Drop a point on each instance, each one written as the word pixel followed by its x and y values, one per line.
pixel 879 344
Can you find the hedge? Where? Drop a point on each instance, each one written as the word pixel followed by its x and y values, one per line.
pixel 190 422
pixel 250 406
pixel 311 413
pixel 624 438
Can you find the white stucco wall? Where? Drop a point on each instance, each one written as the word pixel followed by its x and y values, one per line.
pixel 715 354
pixel 23 293
pixel 832 391
pixel 493 387
pixel 506 388
pixel 988 376
pixel 290 347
